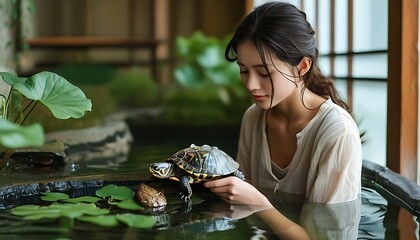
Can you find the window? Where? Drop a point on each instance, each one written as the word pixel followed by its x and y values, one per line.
pixel 353 52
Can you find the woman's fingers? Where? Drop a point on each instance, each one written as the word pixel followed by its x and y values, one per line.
pixel 237 191
pixel 223 182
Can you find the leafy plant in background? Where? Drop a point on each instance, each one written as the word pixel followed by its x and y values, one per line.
pixel 204 73
pixel 203 64
pixel 62 98
pixel 134 88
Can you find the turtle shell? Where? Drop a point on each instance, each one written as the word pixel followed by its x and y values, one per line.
pixel 204 162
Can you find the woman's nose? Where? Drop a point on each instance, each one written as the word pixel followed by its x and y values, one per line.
pixel 252 82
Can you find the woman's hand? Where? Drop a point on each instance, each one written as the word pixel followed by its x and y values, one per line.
pixel 237 191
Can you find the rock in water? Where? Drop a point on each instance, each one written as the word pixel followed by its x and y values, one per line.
pixel 150 197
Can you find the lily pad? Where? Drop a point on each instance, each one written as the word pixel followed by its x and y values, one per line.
pixel 69 210
pixel 115 192
pixel 103 220
pixel 129 204
pixel 137 220
pixel 74 210
pixel 86 199
pixel 26 210
pixel 53 196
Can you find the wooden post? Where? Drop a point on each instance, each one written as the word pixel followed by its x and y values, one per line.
pixel 402 87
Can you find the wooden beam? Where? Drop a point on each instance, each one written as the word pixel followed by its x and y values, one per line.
pixel 249 5
pixel 350 56
pixel 402 87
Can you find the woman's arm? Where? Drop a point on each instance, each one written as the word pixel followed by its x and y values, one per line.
pixel 236 191
pixel 283 227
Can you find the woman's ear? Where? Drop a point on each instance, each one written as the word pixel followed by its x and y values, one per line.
pixel 304 66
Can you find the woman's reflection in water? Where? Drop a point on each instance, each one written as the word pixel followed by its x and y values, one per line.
pixel 359 219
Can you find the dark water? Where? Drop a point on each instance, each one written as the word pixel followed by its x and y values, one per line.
pixel 365 218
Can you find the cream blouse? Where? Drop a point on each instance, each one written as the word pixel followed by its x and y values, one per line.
pixel 326 167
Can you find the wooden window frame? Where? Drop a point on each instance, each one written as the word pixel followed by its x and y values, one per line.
pixel 402 110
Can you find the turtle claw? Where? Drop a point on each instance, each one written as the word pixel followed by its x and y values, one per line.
pixel 185 198
pixel 187 206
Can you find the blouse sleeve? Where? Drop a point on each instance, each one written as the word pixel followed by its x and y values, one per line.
pixel 244 144
pixel 338 175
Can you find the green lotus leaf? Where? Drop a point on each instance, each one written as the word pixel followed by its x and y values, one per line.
pixel 24 210
pixel 212 57
pixel 39 216
pixel 15 136
pixel 10 78
pixel 53 196
pixel 102 220
pixel 136 220
pixel 115 192
pixel 56 210
pixel 62 98
pixel 86 199
pixel 188 76
pixel 32 212
pixel 71 210
pixel 129 204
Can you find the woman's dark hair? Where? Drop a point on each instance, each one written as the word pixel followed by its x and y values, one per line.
pixel 283 30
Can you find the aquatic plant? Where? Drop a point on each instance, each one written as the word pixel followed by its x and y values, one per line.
pixel 18 98
pixel 89 209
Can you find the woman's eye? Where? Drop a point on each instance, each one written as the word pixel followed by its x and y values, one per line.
pixel 263 74
pixel 243 72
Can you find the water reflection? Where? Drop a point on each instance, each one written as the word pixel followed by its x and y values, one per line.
pixel 213 219
pixel 359 219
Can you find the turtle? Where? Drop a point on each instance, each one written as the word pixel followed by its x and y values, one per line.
pixel 196 164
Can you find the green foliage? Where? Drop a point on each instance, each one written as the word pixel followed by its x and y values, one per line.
pixel 212 92
pixel 202 62
pixel 194 107
pixel 137 221
pixel 115 192
pixel 86 73
pixel 53 196
pixel 85 208
pixel 63 99
pixel 203 106
pixel 55 210
pixel 102 220
pixel 134 88
pixel 15 136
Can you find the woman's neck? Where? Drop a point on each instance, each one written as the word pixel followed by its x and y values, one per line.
pixel 296 112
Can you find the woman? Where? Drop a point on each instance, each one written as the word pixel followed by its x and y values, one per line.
pixel 299 136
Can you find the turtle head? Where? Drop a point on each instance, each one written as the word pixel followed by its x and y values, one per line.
pixel 162 170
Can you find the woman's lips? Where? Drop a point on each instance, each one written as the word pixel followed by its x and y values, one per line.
pixel 259 98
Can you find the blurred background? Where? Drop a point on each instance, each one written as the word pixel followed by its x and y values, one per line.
pixel 161 63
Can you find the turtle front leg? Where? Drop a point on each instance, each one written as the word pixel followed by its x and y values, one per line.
pixel 186 191
pixel 239 174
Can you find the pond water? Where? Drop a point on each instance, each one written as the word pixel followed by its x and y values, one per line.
pixel 370 217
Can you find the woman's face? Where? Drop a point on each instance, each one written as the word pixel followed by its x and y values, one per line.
pixel 256 79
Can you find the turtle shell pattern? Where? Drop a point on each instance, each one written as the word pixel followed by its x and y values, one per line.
pixel 204 162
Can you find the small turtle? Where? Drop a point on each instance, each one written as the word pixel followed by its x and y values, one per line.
pixel 150 197
pixel 196 164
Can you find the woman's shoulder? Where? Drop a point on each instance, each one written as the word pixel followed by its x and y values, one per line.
pixel 253 112
pixel 336 119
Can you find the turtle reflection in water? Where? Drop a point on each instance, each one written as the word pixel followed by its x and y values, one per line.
pixel 196 164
